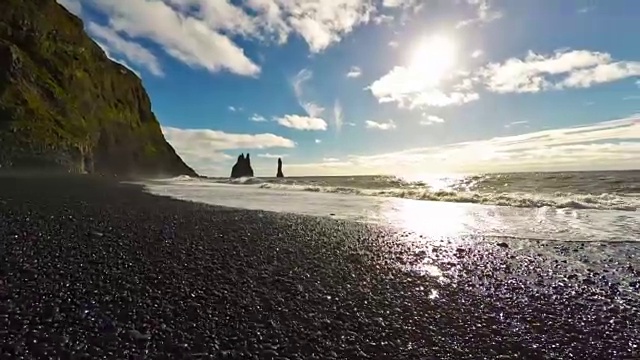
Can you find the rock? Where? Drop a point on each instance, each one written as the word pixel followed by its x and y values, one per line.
pixel 503 245
pixel 279 173
pixel 138 336
pixel 71 108
pixel 242 167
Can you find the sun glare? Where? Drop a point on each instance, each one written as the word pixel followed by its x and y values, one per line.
pixel 433 58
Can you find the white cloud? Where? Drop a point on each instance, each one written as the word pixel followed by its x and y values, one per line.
pixel 396 3
pixel 73 6
pixel 323 22
pixel 318 141
pixel 393 44
pixel 219 15
pixel 383 19
pixel 219 140
pixel 302 122
pixel 606 145
pixel 411 5
pixel 330 159
pixel 188 39
pixel 202 147
pixel 272 156
pixel 258 118
pixel 533 73
pixel 232 108
pixel 200 32
pixel 631 97
pixel 410 88
pixel 406 86
pixel 603 73
pixel 476 54
pixel 516 123
pixel 298 82
pixel 431 120
pixel 134 52
pixel 337 115
pixel 354 72
pixel 388 125
pixel 484 13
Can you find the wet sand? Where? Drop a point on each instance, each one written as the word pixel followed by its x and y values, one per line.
pixel 94 269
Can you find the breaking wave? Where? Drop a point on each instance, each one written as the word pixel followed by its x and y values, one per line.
pixel 244 181
pixel 523 200
pixel 502 190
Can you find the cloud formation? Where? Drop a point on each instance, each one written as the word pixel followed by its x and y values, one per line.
pixel 517 123
pixel 302 122
pixel 298 83
pixel 564 69
pixel 383 125
pixel 202 33
pixel 611 144
pixel 476 54
pixel 323 22
pixel 116 44
pixel 257 118
pixel 537 72
pixel 484 13
pixel 431 120
pixel 187 38
pixel 204 149
pixel 354 72
pixel 272 156
pixel 405 86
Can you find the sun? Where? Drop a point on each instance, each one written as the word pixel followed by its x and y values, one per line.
pixel 434 58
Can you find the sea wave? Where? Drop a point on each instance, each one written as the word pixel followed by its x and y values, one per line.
pixel 523 200
pixel 243 181
pixel 179 178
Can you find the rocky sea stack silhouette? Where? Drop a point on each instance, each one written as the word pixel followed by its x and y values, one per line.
pixel 279 173
pixel 66 107
pixel 242 167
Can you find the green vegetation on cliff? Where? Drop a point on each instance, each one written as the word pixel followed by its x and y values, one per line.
pixel 64 105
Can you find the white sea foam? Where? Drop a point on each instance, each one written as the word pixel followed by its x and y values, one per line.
pixel 560 200
pixel 557 200
pixel 560 218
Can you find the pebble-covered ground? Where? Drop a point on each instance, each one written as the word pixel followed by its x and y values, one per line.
pixel 91 269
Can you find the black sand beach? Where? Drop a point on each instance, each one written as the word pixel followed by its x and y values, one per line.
pixel 94 269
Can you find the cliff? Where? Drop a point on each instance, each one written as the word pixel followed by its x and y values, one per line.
pixel 242 167
pixel 65 106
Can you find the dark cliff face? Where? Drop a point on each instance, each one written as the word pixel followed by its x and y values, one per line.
pixel 242 167
pixel 65 106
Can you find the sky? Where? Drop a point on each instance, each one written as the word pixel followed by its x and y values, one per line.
pixel 405 87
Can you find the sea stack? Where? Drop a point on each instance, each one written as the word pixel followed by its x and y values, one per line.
pixel 279 173
pixel 242 167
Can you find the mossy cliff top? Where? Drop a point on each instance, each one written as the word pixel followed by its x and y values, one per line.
pixel 64 106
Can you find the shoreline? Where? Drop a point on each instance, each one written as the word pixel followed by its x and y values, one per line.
pixel 100 268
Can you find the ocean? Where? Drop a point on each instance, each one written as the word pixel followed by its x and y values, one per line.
pixel 553 206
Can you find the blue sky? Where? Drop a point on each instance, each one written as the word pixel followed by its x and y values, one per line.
pixel 384 86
